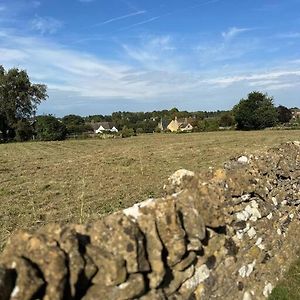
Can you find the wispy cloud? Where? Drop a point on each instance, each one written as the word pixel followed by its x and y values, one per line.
pixel 176 11
pixel 46 25
pixel 139 23
pixel 86 1
pixel 148 69
pixel 141 12
pixel 2 7
pixel 233 32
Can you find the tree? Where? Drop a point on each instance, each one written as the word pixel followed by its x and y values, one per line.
pixel 74 124
pixel 255 112
pixel 19 99
pixel 226 120
pixel 48 128
pixel 284 114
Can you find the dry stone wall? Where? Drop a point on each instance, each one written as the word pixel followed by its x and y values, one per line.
pixel 226 234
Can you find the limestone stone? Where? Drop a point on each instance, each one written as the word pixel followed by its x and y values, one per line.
pixel 42 252
pixel 111 270
pixel 170 230
pixel 192 218
pixel 178 278
pixel 186 262
pixel 154 247
pixel 133 288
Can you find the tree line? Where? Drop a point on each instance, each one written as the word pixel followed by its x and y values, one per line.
pixel 19 99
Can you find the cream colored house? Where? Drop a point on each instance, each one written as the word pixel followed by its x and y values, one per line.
pixel 296 113
pixel 180 125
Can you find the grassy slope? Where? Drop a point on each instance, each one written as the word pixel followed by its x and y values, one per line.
pixel 77 181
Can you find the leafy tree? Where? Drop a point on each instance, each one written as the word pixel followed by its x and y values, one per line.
pixel 255 112
pixel 284 114
pixel 74 124
pixel 209 124
pixel 48 128
pixel 19 99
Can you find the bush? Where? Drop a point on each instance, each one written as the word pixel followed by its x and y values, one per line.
pixel 227 120
pixel 48 128
pixel 23 130
pixel 210 124
pixel 127 132
pixel 139 130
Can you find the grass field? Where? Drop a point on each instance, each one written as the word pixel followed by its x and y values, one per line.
pixel 80 180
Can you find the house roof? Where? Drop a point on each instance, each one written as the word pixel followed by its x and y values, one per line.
pixel 185 121
pixel 105 125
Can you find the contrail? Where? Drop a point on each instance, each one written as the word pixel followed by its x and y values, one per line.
pixel 141 12
pixel 140 23
pixel 169 13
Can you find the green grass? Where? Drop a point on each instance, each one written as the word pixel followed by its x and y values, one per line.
pixel 81 180
pixel 289 287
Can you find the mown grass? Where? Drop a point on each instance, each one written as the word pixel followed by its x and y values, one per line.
pixel 81 180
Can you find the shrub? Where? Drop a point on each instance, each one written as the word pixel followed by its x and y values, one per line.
pixel 227 120
pixel 139 130
pixel 23 130
pixel 48 128
pixel 127 132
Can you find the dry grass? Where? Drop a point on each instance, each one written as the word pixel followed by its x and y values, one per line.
pixel 77 181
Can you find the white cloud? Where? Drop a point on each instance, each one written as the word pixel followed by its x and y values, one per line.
pixel 151 71
pixel 233 32
pixel 46 25
pixel 154 53
pixel 258 78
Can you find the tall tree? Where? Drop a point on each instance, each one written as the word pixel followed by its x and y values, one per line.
pixel 19 99
pixel 255 112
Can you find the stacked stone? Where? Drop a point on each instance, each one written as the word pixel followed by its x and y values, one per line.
pixel 226 234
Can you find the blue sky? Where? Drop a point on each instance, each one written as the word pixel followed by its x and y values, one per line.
pixel 100 56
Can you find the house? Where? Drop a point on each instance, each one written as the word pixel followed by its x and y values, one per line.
pixel 295 113
pixel 183 125
pixel 102 127
pixel 187 127
pixel 163 124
